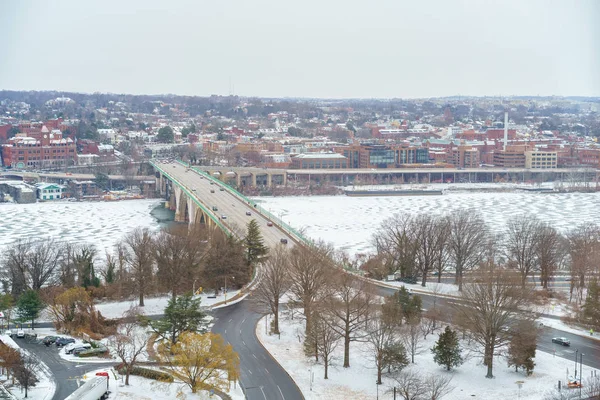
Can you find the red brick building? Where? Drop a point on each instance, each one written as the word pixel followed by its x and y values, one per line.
pixel 44 150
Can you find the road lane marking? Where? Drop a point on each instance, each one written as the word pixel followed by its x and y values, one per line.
pixel 280 392
pixel 254 355
pixel 230 319
pixel 263 392
pixel 266 370
pixel 244 320
pixel 250 371
pixel 244 343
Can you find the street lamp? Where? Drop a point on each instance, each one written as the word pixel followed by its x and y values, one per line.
pixel 580 373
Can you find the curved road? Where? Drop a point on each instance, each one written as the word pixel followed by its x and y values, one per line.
pixel 262 378
pixel 66 373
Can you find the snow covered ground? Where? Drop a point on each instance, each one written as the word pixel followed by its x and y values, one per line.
pixel 156 305
pixel 146 389
pixel 349 222
pixel 45 388
pixel 358 381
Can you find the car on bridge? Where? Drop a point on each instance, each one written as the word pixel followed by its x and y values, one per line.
pixel 562 341
pixel 283 241
pixel 223 216
pixel 212 190
pixel 214 208
pixel 269 223
pixel 248 213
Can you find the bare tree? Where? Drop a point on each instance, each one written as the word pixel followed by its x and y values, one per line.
pixel 43 262
pixel 466 241
pixel 521 243
pixel 309 271
pixel 348 307
pixel 431 234
pixel 490 306
pixel 274 283
pixel 15 265
pixel 411 337
pixel 592 387
pixel 584 250
pixel 437 386
pixel 409 385
pixel 381 336
pixel 26 371
pixel 178 252
pixel 550 252
pixel 327 340
pixel 129 342
pixel 139 245
pixel 395 242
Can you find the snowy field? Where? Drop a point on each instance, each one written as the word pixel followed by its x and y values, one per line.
pixel 99 223
pixel 358 381
pixel 349 222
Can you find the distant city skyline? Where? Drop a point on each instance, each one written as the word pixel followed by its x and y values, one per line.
pixel 311 49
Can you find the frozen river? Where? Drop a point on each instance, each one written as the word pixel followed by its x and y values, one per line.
pixel 102 224
pixel 349 222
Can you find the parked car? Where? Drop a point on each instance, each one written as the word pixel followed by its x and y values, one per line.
pixel 248 213
pixel 48 340
pixel 562 341
pixel 78 350
pixel 63 341
pixel 20 334
pixel 70 349
pixel 8 332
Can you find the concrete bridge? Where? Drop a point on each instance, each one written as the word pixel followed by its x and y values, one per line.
pixel 247 176
pixel 198 197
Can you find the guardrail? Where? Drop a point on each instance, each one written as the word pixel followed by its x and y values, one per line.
pixel 194 199
pixel 287 228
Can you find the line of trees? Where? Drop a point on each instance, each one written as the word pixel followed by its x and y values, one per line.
pixel 419 245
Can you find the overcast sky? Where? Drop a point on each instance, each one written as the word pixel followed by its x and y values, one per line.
pixel 306 48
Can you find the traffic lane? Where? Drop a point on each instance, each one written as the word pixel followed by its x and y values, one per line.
pixel 227 204
pixel 579 344
pixel 590 347
pixel 66 373
pixel 261 377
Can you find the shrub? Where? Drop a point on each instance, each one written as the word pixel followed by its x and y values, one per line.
pixel 99 351
pixel 147 373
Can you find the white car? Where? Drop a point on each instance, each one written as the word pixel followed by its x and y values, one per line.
pixel 20 334
pixel 72 346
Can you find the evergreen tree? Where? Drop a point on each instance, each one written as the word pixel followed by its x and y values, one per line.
pixel 165 135
pixel 109 276
pixel 394 357
pixel 447 350
pixel 591 308
pixel 29 306
pixel 256 251
pixel 182 314
pixel 411 305
pixel 522 346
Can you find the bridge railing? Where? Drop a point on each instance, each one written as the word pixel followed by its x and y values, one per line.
pixel 194 198
pixel 273 218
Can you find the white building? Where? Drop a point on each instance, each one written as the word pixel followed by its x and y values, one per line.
pixel 49 191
